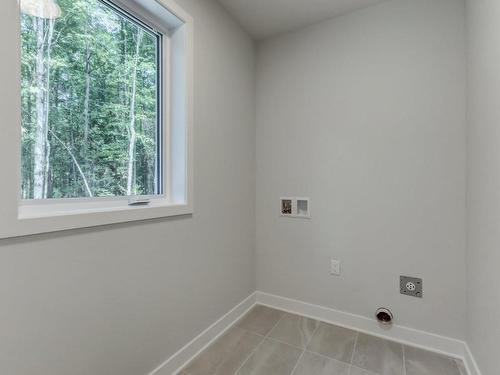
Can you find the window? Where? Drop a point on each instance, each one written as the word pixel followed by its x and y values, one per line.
pixel 97 110
pixel 91 103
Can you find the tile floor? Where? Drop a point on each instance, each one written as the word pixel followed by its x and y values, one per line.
pixel 272 342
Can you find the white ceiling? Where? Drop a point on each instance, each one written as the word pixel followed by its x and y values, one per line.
pixel 265 18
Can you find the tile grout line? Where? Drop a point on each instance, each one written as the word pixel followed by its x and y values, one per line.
pixel 353 353
pixel 305 347
pixel 284 343
pixel 260 343
pixel 250 355
pixel 307 350
pixel 404 361
pixel 326 357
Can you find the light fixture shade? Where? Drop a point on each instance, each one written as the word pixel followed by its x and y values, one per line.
pixel 48 9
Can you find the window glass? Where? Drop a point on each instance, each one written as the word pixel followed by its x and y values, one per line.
pixel 90 101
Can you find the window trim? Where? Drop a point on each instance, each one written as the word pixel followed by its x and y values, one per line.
pixel 24 217
pixel 45 207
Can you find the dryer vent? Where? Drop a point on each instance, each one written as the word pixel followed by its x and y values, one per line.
pixel 384 316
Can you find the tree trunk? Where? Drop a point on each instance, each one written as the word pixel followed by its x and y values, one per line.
pixel 77 165
pixel 42 147
pixel 88 66
pixel 50 34
pixel 86 123
pixel 87 97
pixel 132 131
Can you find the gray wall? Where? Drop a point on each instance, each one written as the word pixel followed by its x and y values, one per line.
pixel 484 183
pixel 365 114
pixel 122 299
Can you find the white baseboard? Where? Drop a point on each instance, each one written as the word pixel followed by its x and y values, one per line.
pixel 409 336
pixel 470 362
pixel 179 360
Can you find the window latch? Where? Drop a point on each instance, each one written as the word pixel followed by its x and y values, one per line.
pixel 136 201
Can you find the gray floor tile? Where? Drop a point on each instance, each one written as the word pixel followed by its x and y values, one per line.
pixel 260 319
pixel 271 358
pixel 226 355
pixel 312 364
pixel 378 355
pixel 244 349
pixel 359 371
pixel 294 330
pixel 422 362
pixel 334 342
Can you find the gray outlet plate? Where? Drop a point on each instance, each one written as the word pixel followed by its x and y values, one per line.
pixel 411 286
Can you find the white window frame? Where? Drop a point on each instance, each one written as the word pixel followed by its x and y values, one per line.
pixel 24 217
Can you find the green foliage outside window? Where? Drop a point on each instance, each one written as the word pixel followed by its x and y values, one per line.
pixel 89 104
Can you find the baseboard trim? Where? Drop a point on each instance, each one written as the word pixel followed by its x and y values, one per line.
pixel 470 362
pixel 179 360
pixel 409 336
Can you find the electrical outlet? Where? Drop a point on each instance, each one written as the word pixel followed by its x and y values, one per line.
pixel 411 286
pixel 335 267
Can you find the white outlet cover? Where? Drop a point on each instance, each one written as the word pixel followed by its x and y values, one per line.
pixel 295 207
pixel 335 267
pixel 303 207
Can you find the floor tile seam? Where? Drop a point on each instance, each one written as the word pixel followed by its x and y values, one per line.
pixel 228 353
pixel 327 357
pixel 404 361
pixel 362 369
pixel 305 347
pixel 258 346
pixel 353 353
pixel 250 354
pixel 297 363
pixel 354 347
pixel 232 326
pixel 285 343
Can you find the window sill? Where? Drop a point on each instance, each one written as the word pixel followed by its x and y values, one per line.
pixel 44 218
pixel 49 209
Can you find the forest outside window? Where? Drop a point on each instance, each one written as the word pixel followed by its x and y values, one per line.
pixel 91 102
pixel 98 113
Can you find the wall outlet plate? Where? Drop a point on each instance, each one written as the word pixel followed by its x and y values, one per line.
pixel 303 207
pixel 411 286
pixel 335 267
pixel 295 207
